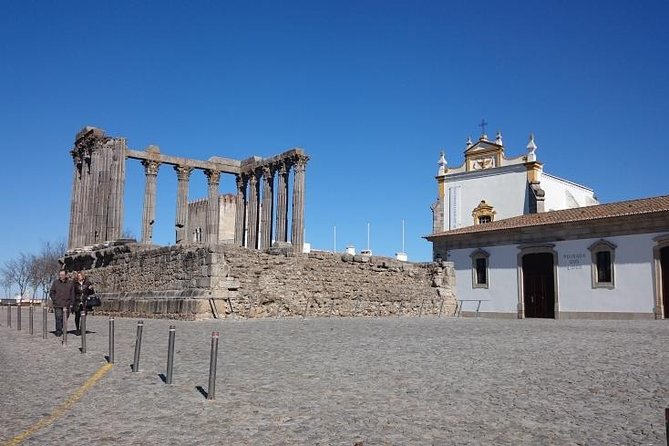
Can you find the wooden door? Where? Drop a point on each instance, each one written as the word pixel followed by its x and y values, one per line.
pixel 538 285
pixel 664 266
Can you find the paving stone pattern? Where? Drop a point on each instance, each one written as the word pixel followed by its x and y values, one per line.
pixel 322 381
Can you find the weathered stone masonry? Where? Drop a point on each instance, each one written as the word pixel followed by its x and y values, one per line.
pixel 197 281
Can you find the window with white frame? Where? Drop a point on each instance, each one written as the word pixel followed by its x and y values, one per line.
pixel 603 257
pixel 480 275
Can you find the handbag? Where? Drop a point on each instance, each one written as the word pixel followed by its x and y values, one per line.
pixel 92 301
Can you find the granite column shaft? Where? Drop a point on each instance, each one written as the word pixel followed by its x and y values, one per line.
pixel 252 236
pixel 181 219
pixel 240 210
pixel 267 208
pixel 213 205
pixel 282 204
pixel 298 204
pixel 149 214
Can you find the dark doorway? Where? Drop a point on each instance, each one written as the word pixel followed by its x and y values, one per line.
pixel 664 266
pixel 538 285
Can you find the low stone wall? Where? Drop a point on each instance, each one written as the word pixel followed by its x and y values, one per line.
pixel 195 281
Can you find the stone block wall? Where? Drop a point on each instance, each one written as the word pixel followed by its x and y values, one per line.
pixel 195 281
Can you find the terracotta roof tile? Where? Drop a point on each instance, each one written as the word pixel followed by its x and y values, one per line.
pixel 595 212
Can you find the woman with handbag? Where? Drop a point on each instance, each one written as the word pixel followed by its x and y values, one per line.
pixel 83 288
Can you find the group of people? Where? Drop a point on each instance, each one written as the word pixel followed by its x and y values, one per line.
pixel 69 295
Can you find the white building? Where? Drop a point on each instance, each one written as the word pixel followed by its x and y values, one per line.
pixel 528 244
pixel 489 186
pixel 603 261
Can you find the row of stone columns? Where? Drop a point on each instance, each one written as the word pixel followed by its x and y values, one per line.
pixel 259 208
pixel 96 211
pixel 181 220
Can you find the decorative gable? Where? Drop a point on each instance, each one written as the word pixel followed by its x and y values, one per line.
pixel 484 154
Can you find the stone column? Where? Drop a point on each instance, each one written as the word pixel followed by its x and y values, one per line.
pixel 267 208
pixel 213 205
pixel 181 221
pixel 86 221
pixel 240 211
pixel 118 187
pixel 149 214
pixel 297 238
pixel 75 202
pixel 282 204
pixel 252 237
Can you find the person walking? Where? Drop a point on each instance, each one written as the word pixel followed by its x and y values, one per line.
pixel 82 289
pixel 62 298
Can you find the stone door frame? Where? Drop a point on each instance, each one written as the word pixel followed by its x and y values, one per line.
pixel 660 242
pixel 548 248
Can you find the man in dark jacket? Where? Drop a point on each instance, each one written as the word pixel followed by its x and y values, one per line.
pixel 62 297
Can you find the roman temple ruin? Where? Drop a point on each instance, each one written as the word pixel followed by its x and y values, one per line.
pixel 232 255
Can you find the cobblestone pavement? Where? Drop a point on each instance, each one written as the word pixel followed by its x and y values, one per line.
pixel 392 381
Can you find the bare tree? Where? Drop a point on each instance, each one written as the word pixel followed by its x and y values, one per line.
pixel 6 282
pixel 47 265
pixel 128 234
pixel 17 271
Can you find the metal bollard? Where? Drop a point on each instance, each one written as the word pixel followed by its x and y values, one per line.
pixel 211 390
pixel 420 312
pixel 138 346
pixel 44 321
pixel 9 315
pixel 31 318
pixel 441 308
pixel 66 318
pixel 110 358
pixel 170 355
pixel 18 317
pixel 666 422
pixel 82 327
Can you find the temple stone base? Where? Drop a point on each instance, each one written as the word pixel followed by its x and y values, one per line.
pixel 204 281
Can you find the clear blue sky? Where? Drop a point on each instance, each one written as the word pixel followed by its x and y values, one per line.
pixel 372 90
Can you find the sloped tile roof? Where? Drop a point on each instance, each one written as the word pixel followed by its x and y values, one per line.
pixel 596 212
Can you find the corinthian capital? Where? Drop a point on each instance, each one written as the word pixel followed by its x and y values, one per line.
pixel 150 167
pixel 300 162
pixel 267 173
pixel 213 177
pixel 183 172
pixel 241 182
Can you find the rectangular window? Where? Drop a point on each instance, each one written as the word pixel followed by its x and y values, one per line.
pixel 485 219
pixel 604 267
pixel 481 271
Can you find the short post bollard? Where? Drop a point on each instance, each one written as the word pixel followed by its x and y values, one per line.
pixel 9 315
pixel 110 358
pixel 31 318
pixel 82 327
pixel 66 318
pixel 18 316
pixel 211 390
pixel 666 422
pixel 44 321
pixel 420 311
pixel 170 355
pixel 138 346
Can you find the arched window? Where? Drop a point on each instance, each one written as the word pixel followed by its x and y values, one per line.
pixel 603 257
pixel 480 276
pixel 483 213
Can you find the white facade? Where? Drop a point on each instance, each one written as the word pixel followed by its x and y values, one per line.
pixel 506 187
pixel 564 194
pixel 632 295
